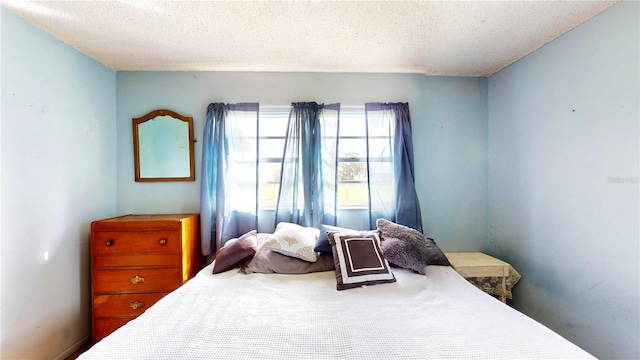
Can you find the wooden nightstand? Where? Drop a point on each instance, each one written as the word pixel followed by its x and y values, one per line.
pixel 487 273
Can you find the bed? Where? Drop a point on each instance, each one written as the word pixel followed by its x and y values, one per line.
pixel 239 315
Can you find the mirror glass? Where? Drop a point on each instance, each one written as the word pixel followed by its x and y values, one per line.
pixel 163 147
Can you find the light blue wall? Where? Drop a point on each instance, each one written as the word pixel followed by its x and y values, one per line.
pixel 449 124
pixel 563 181
pixel 559 187
pixel 58 174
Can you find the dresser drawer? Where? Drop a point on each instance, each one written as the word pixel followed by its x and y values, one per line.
pixel 125 242
pixel 105 326
pixel 136 280
pixel 123 305
pixel 136 260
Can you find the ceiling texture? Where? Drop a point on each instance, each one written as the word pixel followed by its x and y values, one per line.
pixel 467 38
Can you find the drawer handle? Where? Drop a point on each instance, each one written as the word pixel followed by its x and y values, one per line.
pixel 162 241
pixel 109 242
pixel 136 280
pixel 136 305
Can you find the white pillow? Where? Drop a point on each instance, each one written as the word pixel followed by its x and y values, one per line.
pixel 294 240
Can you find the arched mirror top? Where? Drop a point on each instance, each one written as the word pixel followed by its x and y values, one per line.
pixel 163 147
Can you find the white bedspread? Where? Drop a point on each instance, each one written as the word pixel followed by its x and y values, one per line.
pixel 236 316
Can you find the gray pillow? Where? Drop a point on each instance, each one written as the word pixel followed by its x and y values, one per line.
pixel 236 252
pixel 267 261
pixel 409 248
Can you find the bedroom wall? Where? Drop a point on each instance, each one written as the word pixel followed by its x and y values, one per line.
pixel 563 181
pixel 449 125
pixel 58 174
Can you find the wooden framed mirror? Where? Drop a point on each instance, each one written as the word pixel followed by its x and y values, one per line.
pixel 163 147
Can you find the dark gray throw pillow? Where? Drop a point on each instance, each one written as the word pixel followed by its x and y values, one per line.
pixel 409 248
pixel 236 252
pixel 267 261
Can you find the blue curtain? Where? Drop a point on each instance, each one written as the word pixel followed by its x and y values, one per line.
pixel 390 165
pixel 229 187
pixel 308 181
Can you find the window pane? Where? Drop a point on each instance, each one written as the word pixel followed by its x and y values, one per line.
pixel 379 148
pixel 382 170
pixel 269 177
pixel 379 125
pixel 352 148
pixel 351 125
pixel 271 148
pixel 352 194
pixel 268 195
pixel 269 172
pixel 273 123
pixel 352 171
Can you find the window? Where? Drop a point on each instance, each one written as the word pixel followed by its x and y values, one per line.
pixel 243 158
pixel 352 159
pixel 272 128
pixel 352 154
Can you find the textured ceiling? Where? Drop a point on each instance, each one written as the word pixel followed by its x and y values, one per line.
pixel 432 37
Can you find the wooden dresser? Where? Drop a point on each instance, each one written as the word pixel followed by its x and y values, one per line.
pixel 135 261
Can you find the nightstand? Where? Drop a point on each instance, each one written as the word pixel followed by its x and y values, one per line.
pixel 487 273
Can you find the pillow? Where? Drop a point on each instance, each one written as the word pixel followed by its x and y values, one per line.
pixel 294 240
pixel 358 260
pixel 323 245
pixel 236 252
pixel 267 261
pixel 409 248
